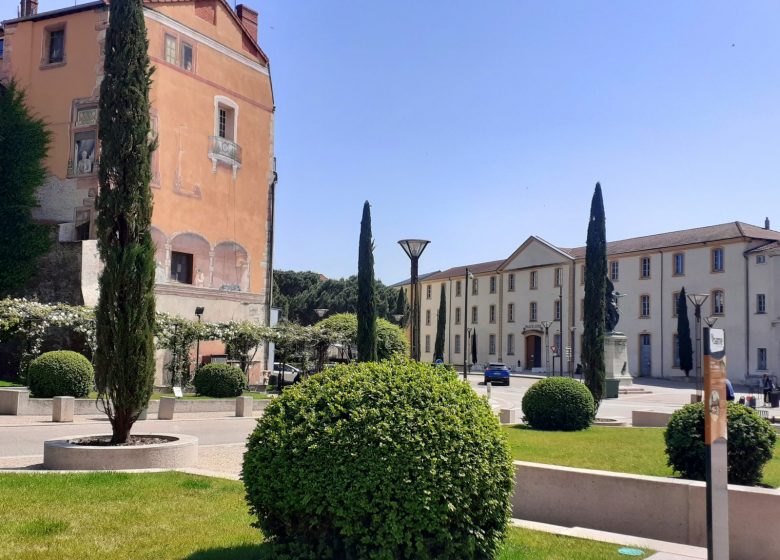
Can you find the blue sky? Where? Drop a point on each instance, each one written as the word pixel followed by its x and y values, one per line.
pixel 476 124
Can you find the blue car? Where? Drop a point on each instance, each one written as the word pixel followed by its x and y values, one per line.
pixel 497 373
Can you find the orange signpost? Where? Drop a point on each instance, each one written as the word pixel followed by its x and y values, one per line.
pixel 715 438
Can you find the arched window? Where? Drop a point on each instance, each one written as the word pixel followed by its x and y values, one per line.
pixel 190 260
pixel 231 267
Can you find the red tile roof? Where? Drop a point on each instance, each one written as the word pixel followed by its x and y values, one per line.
pixel 731 230
pixel 459 271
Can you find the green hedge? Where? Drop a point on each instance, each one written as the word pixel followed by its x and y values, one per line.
pixel 219 380
pixel 751 441
pixel 61 373
pixel 380 460
pixel 558 403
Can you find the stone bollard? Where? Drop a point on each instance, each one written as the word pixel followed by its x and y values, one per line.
pixel 62 409
pixel 489 387
pixel 167 404
pixel 244 406
pixel 14 401
pixel 510 415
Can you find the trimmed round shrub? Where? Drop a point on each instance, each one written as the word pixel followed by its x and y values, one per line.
pixel 380 460
pixel 751 441
pixel 61 373
pixel 558 403
pixel 219 380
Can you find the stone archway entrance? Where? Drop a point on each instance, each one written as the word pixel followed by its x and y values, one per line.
pixel 533 351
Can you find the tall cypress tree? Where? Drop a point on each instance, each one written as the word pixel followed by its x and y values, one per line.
pixel 595 288
pixel 441 325
pixel 125 315
pixel 401 308
pixel 366 308
pixel 684 334
pixel 25 142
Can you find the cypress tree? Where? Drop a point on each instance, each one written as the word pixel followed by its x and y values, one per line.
pixel 595 289
pixel 441 325
pixel 684 334
pixel 366 308
pixel 401 308
pixel 25 142
pixel 125 315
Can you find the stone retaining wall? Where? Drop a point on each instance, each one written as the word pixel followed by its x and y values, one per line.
pixel 665 509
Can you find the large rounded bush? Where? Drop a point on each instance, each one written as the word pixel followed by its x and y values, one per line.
pixel 558 403
pixel 751 441
pixel 382 460
pixel 219 380
pixel 61 373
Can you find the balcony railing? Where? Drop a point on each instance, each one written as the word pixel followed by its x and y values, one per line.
pixel 225 151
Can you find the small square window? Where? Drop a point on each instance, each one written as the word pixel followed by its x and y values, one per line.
pixel 760 259
pixel 181 267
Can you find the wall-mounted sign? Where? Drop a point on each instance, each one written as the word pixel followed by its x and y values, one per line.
pixel 86 117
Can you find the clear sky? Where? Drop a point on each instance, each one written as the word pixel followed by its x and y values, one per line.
pixel 477 124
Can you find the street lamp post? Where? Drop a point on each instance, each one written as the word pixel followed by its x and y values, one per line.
pixel 414 248
pixel 546 325
pixel 399 317
pixel 698 300
pixel 321 312
pixel 710 321
pixel 466 322
pixel 199 313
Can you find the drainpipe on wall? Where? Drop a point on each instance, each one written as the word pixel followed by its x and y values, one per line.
pixel 269 275
pixel 663 317
pixel 500 317
pixel 747 314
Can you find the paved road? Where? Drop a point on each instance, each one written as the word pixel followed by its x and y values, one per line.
pixel 28 439
pixel 222 429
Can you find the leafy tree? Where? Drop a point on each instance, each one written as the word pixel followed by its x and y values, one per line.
pixel 441 326
pixel 595 288
pixel 684 334
pixel 298 294
pixel 366 311
pixel 391 339
pixel 125 315
pixel 25 142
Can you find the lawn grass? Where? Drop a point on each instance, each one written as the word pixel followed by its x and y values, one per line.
pixel 628 450
pixel 170 516
pixel 9 384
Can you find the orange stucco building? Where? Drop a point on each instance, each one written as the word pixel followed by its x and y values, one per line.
pixel 213 113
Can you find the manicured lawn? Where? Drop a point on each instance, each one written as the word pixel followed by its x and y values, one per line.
pixel 9 384
pixel 171 516
pixel 629 450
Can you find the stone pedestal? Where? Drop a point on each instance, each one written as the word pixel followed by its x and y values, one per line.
pixel 62 409
pixel 616 358
pixel 167 404
pixel 244 406
pixel 14 401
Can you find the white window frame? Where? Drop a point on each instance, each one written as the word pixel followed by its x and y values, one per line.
pixel 492 344
pixel 644 306
pixel 679 271
pixel 492 313
pixel 457 315
pixel 761 303
pixel 510 344
pixel 492 284
pixel 614 271
pixel 718 263
pixel 428 291
pixel 511 283
pixel 510 313
pixel 642 262
pixel 229 103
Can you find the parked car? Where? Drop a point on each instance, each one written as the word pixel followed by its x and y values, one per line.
pixel 497 372
pixel 290 375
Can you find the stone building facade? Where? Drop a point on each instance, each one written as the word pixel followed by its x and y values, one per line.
pixel 736 264
pixel 213 172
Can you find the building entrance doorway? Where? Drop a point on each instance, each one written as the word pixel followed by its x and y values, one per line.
pixel 645 355
pixel 533 351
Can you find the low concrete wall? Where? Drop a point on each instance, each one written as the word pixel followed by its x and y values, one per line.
pixel 14 401
pixel 665 509
pixel 649 419
pixel 43 407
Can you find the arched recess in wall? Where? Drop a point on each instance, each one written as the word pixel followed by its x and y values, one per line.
pixel 160 255
pixel 190 260
pixel 231 267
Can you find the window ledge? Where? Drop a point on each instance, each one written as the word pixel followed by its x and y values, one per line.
pixel 50 65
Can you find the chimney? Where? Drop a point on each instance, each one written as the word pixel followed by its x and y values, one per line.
pixel 249 18
pixel 766 223
pixel 28 8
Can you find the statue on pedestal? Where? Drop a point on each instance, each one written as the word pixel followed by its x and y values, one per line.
pixel 612 315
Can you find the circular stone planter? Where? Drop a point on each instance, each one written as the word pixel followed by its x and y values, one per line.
pixel 181 451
